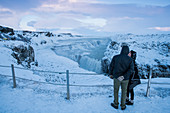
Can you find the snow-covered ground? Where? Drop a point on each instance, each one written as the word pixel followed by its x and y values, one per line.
pixel 36 98
pixel 39 97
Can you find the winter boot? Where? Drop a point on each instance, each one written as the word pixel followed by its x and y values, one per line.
pixel 113 105
pixel 123 108
pixel 130 102
pixel 127 100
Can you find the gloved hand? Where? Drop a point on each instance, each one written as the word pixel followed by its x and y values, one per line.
pixel 120 78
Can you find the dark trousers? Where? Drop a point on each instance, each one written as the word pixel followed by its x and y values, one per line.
pixel 131 93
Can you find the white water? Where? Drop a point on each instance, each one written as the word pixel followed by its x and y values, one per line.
pixel 87 52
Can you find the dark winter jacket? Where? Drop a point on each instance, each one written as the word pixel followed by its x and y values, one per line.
pixel 122 64
pixel 134 78
pixel 135 74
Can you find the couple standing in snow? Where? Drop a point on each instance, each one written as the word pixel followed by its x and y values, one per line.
pixel 123 70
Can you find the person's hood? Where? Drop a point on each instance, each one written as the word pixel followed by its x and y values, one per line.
pixel 133 54
pixel 125 50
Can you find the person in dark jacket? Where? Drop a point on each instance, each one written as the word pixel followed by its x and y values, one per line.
pixel 121 67
pixel 133 81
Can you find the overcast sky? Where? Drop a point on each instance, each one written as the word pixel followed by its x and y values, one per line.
pixel 87 16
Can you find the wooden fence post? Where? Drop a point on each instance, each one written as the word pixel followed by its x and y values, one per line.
pixel 13 76
pixel 68 90
pixel 149 82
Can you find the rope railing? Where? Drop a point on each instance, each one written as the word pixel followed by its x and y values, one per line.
pixel 57 84
pixel 64 72
pixel 40 81
pixel 5 75
pixel 160 83
pixel 54 71
pixel 34 70
pixel 60 73
pixel 67 77
pixel 75 85
pixel 41 70
pixel 5 66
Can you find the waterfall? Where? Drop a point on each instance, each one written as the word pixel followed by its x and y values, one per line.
pixel 91 64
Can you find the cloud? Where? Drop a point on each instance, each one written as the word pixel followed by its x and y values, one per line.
pixel 99 17
pixel 73 1
pixel 9 17
pixel 5 12
pixel 92 15
pixel 59 21
pixel 27 22
pixel 89 21
pixel 129 18
pixel 160 28
pixel 143 2
pixel 51 8
pixel 20 5
pixel 98 9
pixel 31 23
pixel 86 1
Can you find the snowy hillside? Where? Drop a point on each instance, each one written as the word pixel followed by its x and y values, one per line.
pixel 42 92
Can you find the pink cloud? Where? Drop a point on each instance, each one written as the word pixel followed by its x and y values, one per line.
pixel 161 28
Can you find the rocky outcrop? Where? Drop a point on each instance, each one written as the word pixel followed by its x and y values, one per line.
pixel 49 34
pixel 65 34
pixel 6 30
pixel 24 55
